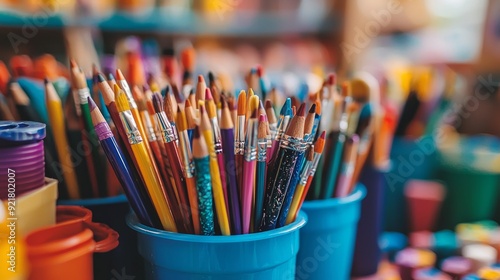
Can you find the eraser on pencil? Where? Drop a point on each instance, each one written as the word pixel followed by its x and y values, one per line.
pixel 424 200
pixel 481 255
pixel 430 274
pixel 457 267
pixel 421 239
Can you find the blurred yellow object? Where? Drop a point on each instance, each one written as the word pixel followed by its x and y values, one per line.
pixel 12 249
pixel 488 273
pixel 426 258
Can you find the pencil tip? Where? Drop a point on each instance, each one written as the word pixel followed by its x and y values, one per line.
pixel 201 79
pixel 323 135
pixel 91 103
pixel 100 78
pixel 312 110
pixel 332 79
pixel 111 77
pixel 45 81
pixel 262 118
pixel 302 110
pixel 260 71
pixel 157 102
pixel 119 74
pixel 268 104
pixel 211 77
pixel 208 94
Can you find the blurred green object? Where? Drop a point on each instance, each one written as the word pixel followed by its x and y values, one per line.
pixel 471 195
pixel 410 159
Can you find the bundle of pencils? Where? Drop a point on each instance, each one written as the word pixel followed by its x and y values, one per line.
pixel 199 164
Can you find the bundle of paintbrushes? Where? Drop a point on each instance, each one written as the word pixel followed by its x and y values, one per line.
pixel 357 133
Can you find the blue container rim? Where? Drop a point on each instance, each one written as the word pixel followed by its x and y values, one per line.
pixel 94 201
pixel 358 194
pixel 134 223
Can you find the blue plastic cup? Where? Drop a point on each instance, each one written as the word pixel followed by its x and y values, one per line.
pixel 124 259
pixel 327 240
pixel 263 255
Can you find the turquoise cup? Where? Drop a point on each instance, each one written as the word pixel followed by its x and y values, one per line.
pixel 264 255
pixel 327 240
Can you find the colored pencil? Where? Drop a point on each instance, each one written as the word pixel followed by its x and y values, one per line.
pixel 262 141
pixel 121 167
pixel 56 119
pixel 187 160
pixel 145 165
pixel 220 204
pixel 291 146
pixel 203 182
pixel 308 126
pixel 306 178
pixel 212 115
pixel 175 170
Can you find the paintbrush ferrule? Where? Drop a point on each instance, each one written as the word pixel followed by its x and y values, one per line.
pixel 217 136
pixel 150 131
pixel 251 141
pixel 187 160
pixel 306 171
pixel 239 139
pixel 124 85
pixel 273 128
pixel 166 129
pixel 133 133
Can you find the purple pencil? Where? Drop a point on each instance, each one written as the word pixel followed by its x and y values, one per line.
pixel 227 134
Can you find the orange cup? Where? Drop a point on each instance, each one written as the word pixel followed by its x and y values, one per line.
pixel 64 251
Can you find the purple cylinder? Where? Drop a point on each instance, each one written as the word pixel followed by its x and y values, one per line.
pixel 367 252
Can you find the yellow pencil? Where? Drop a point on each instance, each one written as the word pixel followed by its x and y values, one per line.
pixel 220 204
pixel 146 167
pixel 56 118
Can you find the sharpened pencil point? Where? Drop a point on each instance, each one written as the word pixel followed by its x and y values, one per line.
pixel 301 112
pixel 268 104
pixel 201 79
pixel 157 102
pixel 92 105
pixel 312 109
pixel 45 81
pixel 119 75
pixel 208 94
pixel 196 132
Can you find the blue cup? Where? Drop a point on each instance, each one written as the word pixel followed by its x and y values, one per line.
pixel 327 240
pixel 123 261
pixel 255 256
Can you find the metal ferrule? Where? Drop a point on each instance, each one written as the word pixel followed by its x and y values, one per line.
pixel 124 85
pixel 165 127
pixel 150 131
pixel 174 128
pixel 239 139
pixel 269 141
pixel 289 142
pixel 305 172
pixel 273 128
pixel 83 94
pixel 262 145
pixel 217 136
pixel 314 165
pixel 187 159
pixel 133 133
pixel 251 141
pixel 279 128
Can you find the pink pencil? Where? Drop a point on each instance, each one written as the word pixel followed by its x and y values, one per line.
pixel 249 166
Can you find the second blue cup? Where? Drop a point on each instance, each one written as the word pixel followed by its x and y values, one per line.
pixel 327 240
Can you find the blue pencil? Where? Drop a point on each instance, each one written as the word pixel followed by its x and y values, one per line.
pixel 138 201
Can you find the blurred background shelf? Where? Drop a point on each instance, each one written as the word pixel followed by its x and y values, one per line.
pixel 187 23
